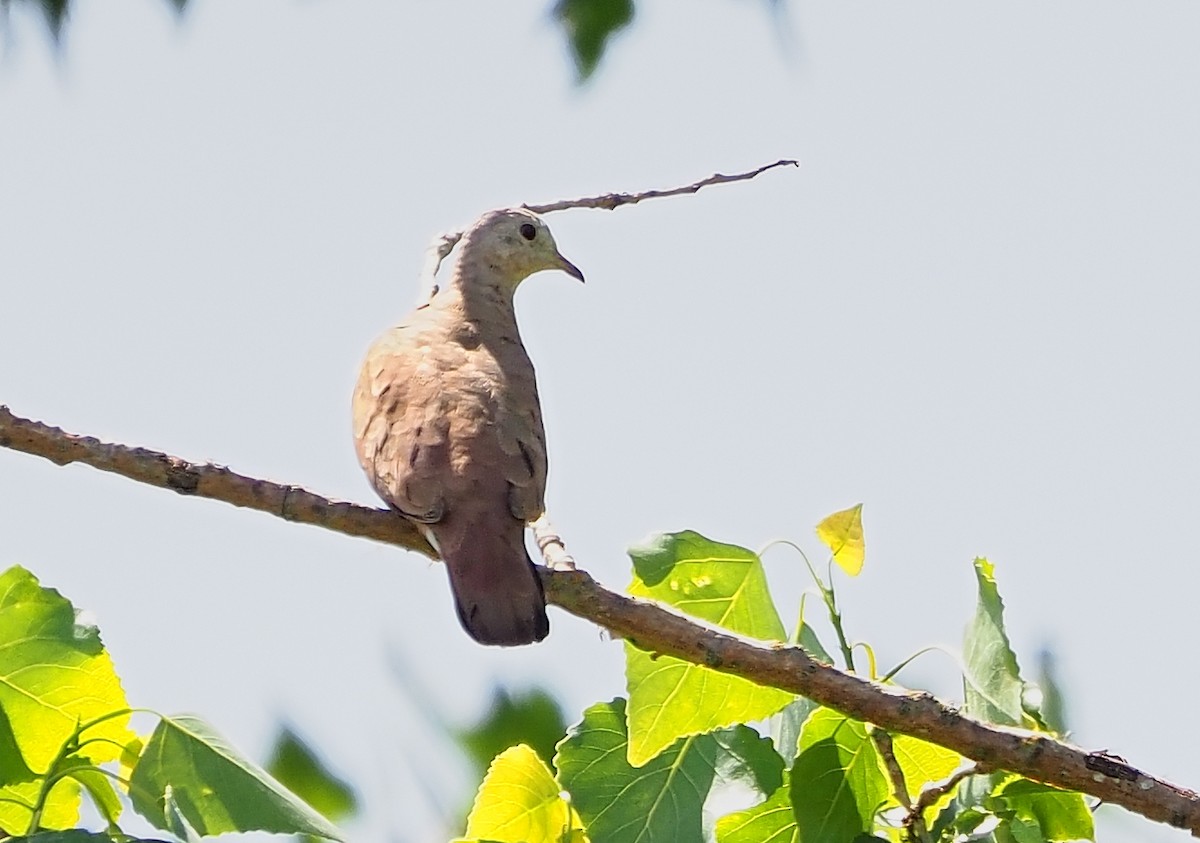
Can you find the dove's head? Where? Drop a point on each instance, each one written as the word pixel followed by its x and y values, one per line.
pixel 511 244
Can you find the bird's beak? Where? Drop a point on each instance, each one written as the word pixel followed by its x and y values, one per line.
pixel 568 267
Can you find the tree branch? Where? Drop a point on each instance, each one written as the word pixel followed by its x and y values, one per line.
pixel 657 629
pixel 205 480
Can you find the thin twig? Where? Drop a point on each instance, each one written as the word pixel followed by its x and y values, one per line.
pixel 611 201
pixel 883 742
pixel 444 243
pixel 928 797
pixel 657 629
pixel 914 822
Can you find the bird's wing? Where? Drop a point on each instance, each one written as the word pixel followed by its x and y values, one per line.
pixel 521 438
pixel 402 421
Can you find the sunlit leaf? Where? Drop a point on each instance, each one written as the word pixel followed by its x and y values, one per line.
pixel 215 788
pixel 991 679
pixel 719 583
pixel 61 809
pixel 842 533
pixel 924 763
pixel 54 675
pixel 660 802
pixel 838 783
pixel 520 802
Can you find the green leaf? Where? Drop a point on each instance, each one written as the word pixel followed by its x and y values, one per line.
pixel 772 821
pixel 955 822
pixel 520 802
pixel 294 765
pixel 533 718
pixel 806 637
pixel 838 784
pixel 1058 815
pixel 661 802
pixel 991 679
pixel 745 757
pixel 588 25
pixel 98 785
pixel 718 583
pixel 178 825
pixel 788 725
pixel 215 788
pixel 55 14
pixel 77 835
pixel 54 675
pixel 13 768
pixel 1019 830
pixel 790 720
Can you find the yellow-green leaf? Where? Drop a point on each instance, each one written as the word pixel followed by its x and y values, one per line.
pixel 54 675
pixel 924 763
pixel 61 808
pixel 520 802
pixel 842 533
pixel 718 583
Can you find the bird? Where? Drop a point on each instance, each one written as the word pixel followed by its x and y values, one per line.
pixel 448 426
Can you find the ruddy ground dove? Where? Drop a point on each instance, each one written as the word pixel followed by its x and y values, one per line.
pixel 448 427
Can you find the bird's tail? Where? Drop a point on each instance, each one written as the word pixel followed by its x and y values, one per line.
pixel 497 590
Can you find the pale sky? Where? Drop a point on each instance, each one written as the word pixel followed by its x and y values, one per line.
pixel 973 309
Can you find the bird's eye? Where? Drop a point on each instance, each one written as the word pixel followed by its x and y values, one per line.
pixel 528 231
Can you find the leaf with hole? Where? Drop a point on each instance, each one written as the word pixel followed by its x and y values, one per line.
pixel 725 586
